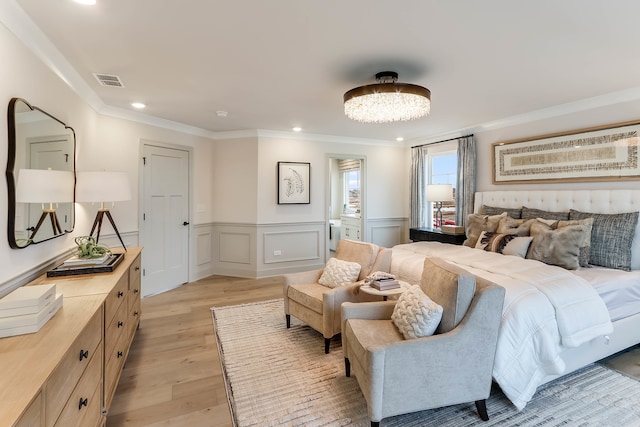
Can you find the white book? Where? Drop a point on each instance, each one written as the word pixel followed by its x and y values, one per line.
pixel 30 323
pixel 27 300
pixel 76 261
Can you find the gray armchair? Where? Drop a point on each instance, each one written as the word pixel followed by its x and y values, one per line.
pixel 453 366
pixel 319 306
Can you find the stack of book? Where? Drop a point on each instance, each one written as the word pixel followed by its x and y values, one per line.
pixel 76 261
pixel 27 309
pixel 385 284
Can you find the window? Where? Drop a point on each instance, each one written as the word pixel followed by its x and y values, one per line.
pixel 443 169
pixel 351 193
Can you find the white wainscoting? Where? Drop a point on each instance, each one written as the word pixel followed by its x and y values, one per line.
pixel 388 232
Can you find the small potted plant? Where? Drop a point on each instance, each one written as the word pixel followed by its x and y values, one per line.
pixel 88 248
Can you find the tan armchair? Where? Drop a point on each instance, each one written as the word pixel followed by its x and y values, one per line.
pixel 399 376
pixel 319 306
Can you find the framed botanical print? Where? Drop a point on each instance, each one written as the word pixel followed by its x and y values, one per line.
pixel 294 183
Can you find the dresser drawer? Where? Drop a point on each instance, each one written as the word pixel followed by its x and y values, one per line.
pixel 84 408
pixel 134 318
pixel 117 295
pixel 113 366
pixel 32 416
pixel 74 363
pixel 134 281
pixel 116 328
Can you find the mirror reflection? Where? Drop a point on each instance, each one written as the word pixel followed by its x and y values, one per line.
pixel 40 175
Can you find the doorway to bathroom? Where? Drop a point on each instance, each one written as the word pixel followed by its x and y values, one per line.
pixel 345 206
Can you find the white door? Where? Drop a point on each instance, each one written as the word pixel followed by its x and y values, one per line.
pixel 165 219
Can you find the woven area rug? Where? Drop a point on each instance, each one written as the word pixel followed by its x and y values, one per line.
pixel 281 377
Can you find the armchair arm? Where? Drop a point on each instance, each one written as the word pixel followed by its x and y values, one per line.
pixel 302 277
pixel 378 310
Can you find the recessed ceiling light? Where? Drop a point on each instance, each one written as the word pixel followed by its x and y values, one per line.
pixel 221 113
pixel 138 105
pixel 399 139
pixel 87 2
pixel 296 129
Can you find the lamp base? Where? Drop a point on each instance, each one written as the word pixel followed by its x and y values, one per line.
pixel 55 224
pixel 98 223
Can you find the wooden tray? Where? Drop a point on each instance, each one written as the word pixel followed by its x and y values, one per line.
pixel 108 266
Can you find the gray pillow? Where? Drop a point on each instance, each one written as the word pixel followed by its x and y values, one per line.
pixel 529 213
pixel 449 286
pixel 559 247
pixel 515 213
pixel 611 238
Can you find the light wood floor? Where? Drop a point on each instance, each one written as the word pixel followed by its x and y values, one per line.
pixel 172 376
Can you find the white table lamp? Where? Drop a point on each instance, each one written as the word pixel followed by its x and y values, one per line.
pixel 47 187
pixel 439 193
pixel 103 187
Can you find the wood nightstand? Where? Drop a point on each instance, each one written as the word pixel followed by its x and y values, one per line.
pixel 435 235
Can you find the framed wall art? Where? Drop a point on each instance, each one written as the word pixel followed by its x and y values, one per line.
pixel 294 183
pixel 605 153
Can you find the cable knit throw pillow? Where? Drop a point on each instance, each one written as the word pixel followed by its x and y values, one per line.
pixel 415 314
pixel 338 273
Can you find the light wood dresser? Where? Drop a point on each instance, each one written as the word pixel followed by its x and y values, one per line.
pixel 66 374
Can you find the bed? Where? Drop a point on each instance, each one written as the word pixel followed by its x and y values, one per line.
pixel 555 320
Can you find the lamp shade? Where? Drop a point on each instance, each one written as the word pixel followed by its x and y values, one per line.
pixel 103 187
pixel 44 186
pixel 439 193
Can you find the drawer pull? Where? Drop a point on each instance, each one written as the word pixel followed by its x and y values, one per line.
pixel 135 313
pixel 83 402
pixel 120 324
pixel 120 294
pixel 84 354
pixel 136 290
pixel 137 268
pixel 119 354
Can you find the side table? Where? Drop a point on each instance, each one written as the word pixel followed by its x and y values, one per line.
pixel 435 235
pixel 387 293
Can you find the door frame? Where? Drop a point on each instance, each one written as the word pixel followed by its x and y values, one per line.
pixel 190 175
pixel 363 194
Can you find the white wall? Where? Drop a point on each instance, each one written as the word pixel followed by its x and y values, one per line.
pixel 605 115
pixel 102 142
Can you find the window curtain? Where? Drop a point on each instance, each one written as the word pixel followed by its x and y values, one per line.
pixel 466 184
pixel 417 218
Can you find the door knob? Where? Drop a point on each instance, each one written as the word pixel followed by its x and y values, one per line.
pixel 185 223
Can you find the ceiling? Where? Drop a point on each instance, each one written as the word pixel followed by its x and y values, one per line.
pixel 273 65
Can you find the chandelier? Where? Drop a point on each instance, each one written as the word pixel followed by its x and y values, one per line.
pixel 387 101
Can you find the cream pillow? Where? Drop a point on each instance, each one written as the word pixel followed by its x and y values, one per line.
pixel 506 244
pixel 338 273
pixel 415 314
pixel 559 247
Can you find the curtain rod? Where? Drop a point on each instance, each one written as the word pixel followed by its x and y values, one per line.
pixel 444 140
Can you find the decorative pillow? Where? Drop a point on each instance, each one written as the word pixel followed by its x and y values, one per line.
pixel 415 314
pixel 506 244
pixel 528 213
pixel 492 210
pixel 449 286
pixel 585 245
pixel 477 223
pixel 338 273
pixel 559 247
pixel 510 225
pixel 611 238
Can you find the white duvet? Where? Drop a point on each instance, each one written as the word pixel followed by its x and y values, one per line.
pixel 546 308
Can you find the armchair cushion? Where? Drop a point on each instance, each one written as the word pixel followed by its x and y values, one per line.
pixel 363 253
pixel 416 315
pixel 449 286
pixel 338 272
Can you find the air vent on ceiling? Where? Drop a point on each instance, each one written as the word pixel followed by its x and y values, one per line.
pixel 109 80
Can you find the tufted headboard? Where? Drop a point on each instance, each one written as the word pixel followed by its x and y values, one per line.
pixel 595 201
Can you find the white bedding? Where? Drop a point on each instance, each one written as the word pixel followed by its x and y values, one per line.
pixel 542 313
pixel 620 290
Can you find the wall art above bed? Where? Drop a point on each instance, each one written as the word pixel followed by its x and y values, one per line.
pixel 604 153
